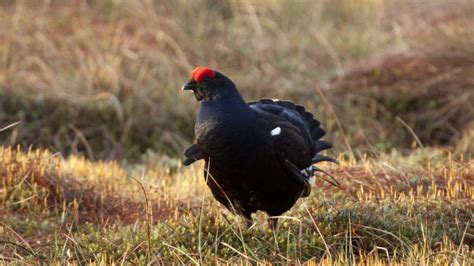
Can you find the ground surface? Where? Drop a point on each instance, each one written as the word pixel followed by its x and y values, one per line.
pixel 415 208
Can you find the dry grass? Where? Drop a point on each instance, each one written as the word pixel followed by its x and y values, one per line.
pixel 415 209
pixel 101 78
pixel 429 88
pixel 46 184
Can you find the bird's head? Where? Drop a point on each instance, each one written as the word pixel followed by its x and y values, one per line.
pixel 210 85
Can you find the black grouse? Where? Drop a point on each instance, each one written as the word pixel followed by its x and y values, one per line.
pixel 259 155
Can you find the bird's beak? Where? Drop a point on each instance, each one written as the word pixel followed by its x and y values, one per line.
pixel 191 85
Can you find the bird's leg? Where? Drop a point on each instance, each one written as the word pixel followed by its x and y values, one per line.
pixel 272 223
pixel 248 222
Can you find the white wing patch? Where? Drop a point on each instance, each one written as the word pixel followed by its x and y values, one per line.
pixel 276 131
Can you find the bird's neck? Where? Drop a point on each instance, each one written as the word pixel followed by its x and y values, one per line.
pixel 224 116
pixel 234 108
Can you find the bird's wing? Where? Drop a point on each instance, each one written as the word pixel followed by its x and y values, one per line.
pixel 288 144
pixel 192 153
pixel 306 128
pixel 299 117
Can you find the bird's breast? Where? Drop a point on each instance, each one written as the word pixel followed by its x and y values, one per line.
pixel 226 142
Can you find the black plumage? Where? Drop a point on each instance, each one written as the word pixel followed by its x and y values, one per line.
pixel 258 155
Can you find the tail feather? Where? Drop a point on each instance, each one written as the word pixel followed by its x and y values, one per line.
pixel 317 133
pixel 322 158
pixel 322 145
pixel 306 117
pixel 333 180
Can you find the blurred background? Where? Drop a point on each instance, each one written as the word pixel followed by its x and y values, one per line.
pixel 102 78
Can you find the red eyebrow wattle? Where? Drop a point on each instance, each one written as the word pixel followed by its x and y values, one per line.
pixel 201 72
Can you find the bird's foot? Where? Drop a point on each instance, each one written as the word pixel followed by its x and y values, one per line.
pixel 248 223
pixel 272 223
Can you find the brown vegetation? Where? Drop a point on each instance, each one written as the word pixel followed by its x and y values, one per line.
pixel 102 79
